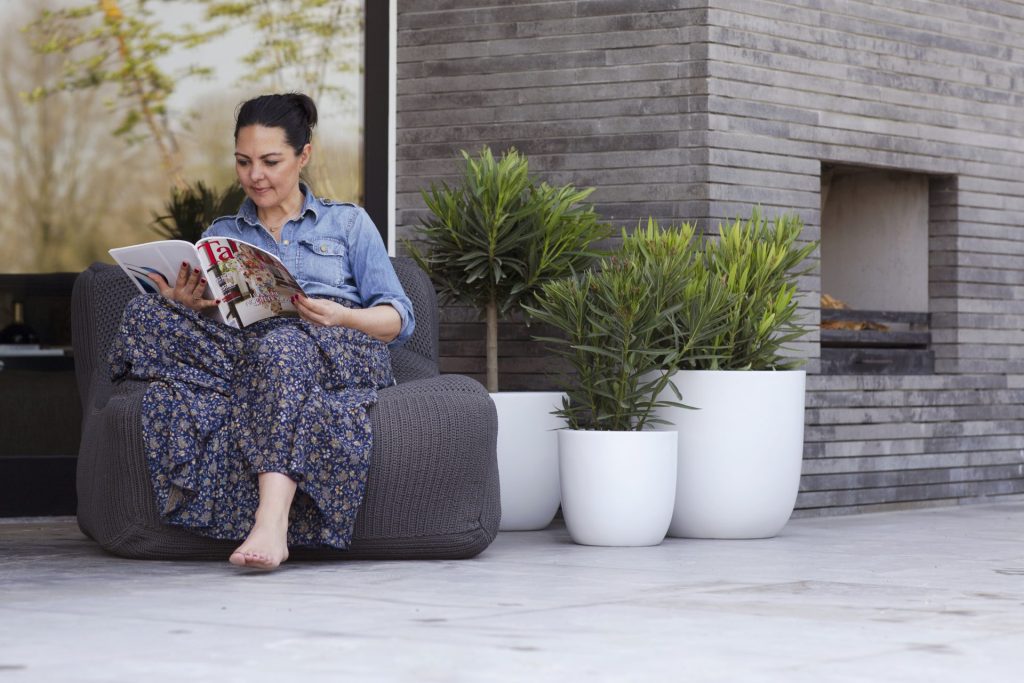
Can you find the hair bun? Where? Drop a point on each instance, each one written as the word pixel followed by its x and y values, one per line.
pixel 308 107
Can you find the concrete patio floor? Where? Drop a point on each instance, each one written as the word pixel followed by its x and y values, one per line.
pixel 920 595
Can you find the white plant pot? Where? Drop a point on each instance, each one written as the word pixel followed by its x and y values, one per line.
pixel 740 454
pixel 618 488
pixel 528 458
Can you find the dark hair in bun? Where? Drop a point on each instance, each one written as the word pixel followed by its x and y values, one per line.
pixel 294 113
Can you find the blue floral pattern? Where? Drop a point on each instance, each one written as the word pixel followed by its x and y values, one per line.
pixel 222 405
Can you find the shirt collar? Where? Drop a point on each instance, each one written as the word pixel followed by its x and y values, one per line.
pixel 247 212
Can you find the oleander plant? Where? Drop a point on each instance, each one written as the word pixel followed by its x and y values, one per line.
pixel 759 261
pixel 494 239
pixel 628 325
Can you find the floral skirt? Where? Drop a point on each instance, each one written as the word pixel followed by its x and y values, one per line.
pixel 223 405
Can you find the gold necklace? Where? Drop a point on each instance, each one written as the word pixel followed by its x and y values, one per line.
pixel 276 228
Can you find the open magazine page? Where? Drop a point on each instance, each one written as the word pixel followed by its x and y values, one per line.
pixel 253 283
pixel 163 257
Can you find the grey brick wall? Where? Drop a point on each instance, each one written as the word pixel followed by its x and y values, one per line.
pixel 875 443
pixel 605 94
pixel 697 110
pixel 929 87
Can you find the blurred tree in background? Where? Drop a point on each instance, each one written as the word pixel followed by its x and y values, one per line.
pixel 111 42
pixel 72 190
pixel 86 182
pixel 300 43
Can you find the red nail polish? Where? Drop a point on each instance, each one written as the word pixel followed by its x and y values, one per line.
pixel 202 281
pixel 196 270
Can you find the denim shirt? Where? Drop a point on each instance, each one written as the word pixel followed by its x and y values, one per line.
pixel 332 249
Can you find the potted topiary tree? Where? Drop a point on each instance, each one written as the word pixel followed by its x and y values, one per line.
pixel 492 241
pixel 740 453
pixel 625 328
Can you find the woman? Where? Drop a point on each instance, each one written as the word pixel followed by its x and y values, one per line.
pixel 262 434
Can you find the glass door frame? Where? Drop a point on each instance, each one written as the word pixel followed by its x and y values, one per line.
pixel 379 79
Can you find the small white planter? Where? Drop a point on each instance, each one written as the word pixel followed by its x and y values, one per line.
pixel 528 458
pixel 740 454
pixel 618 488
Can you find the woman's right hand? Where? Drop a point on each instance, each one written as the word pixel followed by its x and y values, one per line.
pixel 187 290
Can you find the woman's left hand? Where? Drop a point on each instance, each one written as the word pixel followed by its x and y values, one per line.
pixel 321 311
pixel 380 322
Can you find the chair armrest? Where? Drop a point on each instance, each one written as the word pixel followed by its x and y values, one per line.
pixel 433 470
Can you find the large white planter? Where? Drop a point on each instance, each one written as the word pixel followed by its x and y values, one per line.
pixel 528 458
pixel 618 488
pixel 740 454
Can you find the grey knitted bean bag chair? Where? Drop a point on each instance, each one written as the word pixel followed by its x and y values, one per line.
pixel 432 491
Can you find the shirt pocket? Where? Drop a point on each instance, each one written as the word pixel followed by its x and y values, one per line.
pixel 325 260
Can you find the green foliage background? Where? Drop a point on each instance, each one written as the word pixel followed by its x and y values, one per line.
pixel 108 111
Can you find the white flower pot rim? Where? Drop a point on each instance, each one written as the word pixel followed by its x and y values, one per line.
pixel 615 431
pixel 748 372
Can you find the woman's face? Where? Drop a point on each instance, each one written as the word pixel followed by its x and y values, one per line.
pixel 267 166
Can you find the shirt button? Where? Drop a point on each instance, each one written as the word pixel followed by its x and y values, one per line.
pixel 284 242
pixel 323 248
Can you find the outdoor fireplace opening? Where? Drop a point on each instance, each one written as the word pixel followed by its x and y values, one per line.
pixel 874 272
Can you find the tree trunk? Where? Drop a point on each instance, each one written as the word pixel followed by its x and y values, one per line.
pixel 492 345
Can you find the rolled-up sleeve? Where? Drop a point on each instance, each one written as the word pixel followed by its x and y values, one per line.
pixel 375 277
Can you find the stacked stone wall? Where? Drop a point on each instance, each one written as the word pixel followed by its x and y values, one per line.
pixel 926 87
pixel 699 110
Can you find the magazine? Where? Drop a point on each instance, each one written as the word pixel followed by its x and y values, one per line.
pixel 252 284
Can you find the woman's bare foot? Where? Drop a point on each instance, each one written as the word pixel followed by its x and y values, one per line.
pixel 266 546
